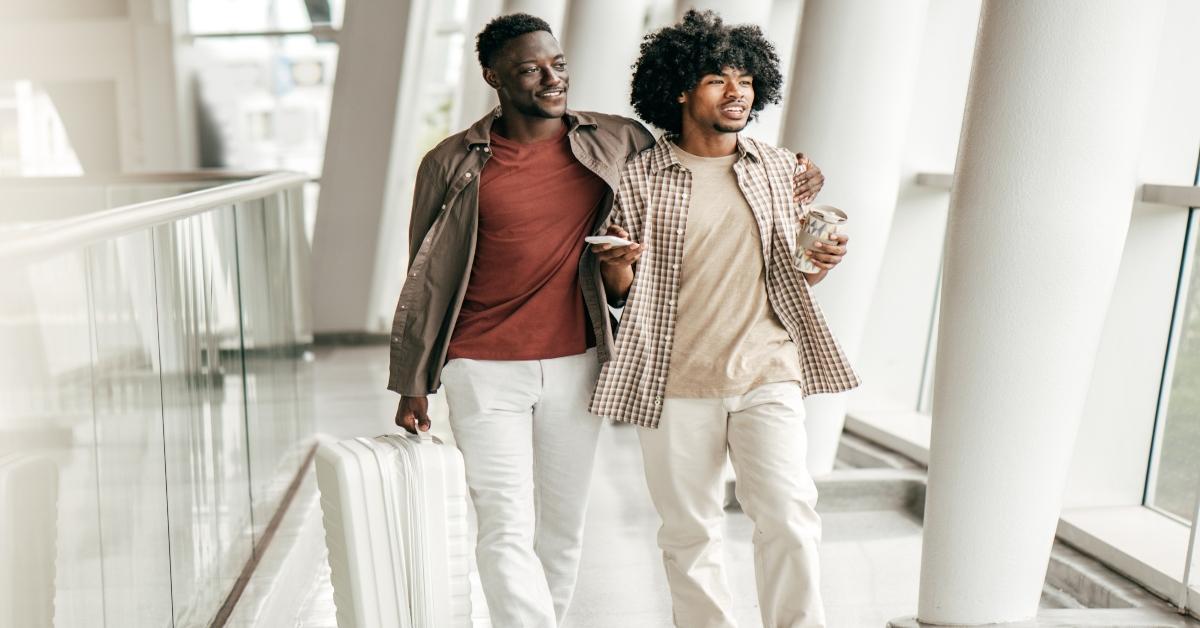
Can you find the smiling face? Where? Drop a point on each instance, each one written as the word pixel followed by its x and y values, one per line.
pixel 720 102
pixel 530 76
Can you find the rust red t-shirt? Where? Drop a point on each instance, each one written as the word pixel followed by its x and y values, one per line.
pixel 523 301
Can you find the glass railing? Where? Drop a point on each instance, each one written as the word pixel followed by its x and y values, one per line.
pixel 154 394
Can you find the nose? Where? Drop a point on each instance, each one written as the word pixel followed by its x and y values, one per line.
pixel 550 77
pixel 733 89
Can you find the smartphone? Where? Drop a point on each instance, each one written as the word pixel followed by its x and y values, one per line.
pixel 607 239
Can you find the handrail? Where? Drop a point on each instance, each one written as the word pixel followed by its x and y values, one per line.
pixel 1185 196
pixel 204 175
pixel 71 233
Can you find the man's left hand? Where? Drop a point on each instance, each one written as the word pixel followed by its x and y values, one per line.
pixel 829 254
pixel 808 180
pixel 826 256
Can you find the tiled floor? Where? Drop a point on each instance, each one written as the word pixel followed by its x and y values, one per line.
pixel 870 560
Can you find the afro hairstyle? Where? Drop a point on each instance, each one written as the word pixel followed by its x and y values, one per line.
pixel 503 29
pixel 675 58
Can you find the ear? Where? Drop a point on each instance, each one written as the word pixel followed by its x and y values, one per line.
pixel 682 98
pixel 489 76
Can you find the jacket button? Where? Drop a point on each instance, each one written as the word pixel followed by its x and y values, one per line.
pixel 467 176
pixel 404 307
pixel 395 339
pixel 443 206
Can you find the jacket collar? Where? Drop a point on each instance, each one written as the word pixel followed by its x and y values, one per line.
pixel 661 155
pixel 481 131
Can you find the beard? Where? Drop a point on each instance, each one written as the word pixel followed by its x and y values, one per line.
pixel 731 128
pixel 534 109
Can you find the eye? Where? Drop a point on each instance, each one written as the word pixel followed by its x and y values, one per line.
pixel 561 65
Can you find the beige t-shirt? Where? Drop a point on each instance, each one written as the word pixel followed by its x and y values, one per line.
pixel 728 340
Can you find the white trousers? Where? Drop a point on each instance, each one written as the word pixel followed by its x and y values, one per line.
pixel 763 432
pixel 528 443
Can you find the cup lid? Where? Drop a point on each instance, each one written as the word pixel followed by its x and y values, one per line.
pixel 829 213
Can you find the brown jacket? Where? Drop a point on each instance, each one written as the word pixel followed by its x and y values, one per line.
pixel 443 230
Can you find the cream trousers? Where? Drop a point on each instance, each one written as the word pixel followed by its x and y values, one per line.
pixel 763 433
pixel 528 444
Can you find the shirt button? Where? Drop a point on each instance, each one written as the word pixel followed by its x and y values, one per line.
pixel 404 307
pixel 486 149
pixel 671 302
pixel 661 379
pixel 467 176
pixel 674 266
pixel 395 339
pixel 679 231
pixel 443 206
pixel 412 274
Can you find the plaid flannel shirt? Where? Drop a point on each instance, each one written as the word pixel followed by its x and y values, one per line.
pixel 652 205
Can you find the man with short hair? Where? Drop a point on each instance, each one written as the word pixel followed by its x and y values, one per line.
pixel 720 339
pixel 504 303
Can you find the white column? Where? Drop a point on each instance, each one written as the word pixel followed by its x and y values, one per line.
pixel 476 97
pixel 855 67
pixel 553 11
pixel 365 170
pixel 1045 180
pixel 601 40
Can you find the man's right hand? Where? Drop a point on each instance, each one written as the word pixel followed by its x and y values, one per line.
pixel 616 265
pixel 413 414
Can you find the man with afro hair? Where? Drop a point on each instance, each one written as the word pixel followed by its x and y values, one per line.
pixel 721 338
pixel 504 303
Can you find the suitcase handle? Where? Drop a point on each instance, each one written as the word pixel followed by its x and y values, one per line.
pixel 421 438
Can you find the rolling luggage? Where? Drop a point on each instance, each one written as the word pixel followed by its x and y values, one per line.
pixel 395 513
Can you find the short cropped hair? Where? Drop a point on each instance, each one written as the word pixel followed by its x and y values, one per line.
pixel 503 29
pixel 674 59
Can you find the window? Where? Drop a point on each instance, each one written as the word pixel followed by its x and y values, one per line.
pixel 1175 465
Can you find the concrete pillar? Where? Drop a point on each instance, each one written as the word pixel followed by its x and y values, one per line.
pixel 855 66
pixel 601 40
pixel 1045 180
pixel 365 163
pixel 476 97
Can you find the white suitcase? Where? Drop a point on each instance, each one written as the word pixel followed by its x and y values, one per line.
pixel 395 513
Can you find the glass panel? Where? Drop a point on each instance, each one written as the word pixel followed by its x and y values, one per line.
pixel 1177 473
pixel 129 437
pixel 271 351
pixel 207 467
pixel 50 567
